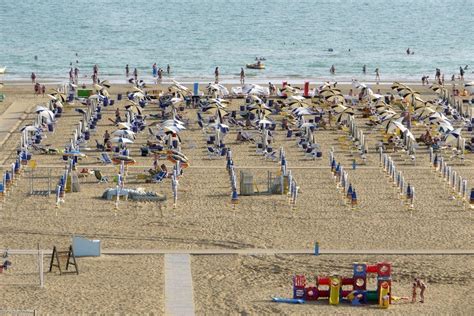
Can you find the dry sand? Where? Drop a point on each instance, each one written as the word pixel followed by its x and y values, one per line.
pixel 204 218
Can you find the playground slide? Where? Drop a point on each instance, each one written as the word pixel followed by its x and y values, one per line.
pixel 287 300
pixel 334 290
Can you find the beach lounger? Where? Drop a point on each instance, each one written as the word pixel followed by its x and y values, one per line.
pixel 105 158
pixel 212 152
pixel 271 155
pixel 98 175
pixel 159 177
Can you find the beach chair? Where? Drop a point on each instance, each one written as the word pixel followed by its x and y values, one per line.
pixel 159 177
pixel 270 154
pixel 212 152
pixel 101 178
pixel 105 158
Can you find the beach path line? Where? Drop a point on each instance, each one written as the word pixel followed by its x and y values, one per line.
pixel 12 118
pixel 178 285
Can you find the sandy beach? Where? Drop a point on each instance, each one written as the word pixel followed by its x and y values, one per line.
pixel 204 218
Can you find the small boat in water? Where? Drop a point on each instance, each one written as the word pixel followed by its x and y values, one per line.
pixel 3 70
pixel 257 65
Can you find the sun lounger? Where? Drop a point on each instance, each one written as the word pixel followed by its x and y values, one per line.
pixel 100 177
pixel 105 158
pixel 159 177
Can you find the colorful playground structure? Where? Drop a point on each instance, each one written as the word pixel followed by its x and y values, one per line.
pixel 352 289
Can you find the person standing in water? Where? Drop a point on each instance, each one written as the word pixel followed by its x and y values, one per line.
pixel 216 74
pixel 154 70
pixel 127 71
pixel 135 74
pixel 332 70
pixel 242 76
pixel 33 77
pixel 364 69
pixel 168 69
pixel 377 75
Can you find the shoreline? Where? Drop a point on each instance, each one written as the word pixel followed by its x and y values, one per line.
pixel 228 81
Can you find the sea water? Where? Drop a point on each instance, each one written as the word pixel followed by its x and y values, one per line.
pixel 299 39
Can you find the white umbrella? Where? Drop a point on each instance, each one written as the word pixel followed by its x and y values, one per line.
pixel 302 111
pixel 218 89
pixel 124 133
pixel 265 122
pixel 452 136
pixel 123 125
pixel 121 140
pixel 48 115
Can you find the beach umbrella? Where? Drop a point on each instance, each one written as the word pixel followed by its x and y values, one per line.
pixel 289 90
pixel 104 83
pixel 409 134
pixel 134 109
pixel 389 115
pixel 254 89
pixel 124 133
pixel 177 87
pixel 453 136
pixel 47 115
pixel 339 108
pixel 30 128
pixel 265 122
pixel 59 95
pixel 469 86
pixel 217 89
pixel 123 125
pixel 302 111
pixel 444 127
pixel 393 125
pixel 424 112
pixel 218 112
pixel 345 115
pixel 177 153
pixel 121 140
pixel 307 125
pixel 437 88
pixel 437 117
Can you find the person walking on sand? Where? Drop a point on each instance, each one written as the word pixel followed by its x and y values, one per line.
pixel 127 71
pixel 242 76
pixel 377 75
pixel 43 89
pixel 216 74
pixel 33 77
pixel 417 283
pixel 364 69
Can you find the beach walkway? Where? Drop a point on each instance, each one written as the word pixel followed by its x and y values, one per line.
pixel 12 118
pixel 178 285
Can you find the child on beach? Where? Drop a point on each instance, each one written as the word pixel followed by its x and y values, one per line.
pixel 43 89
pixel 417 283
